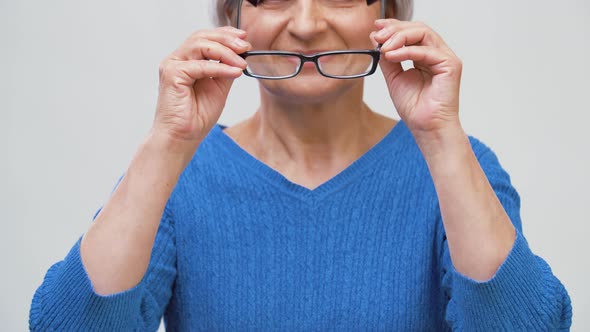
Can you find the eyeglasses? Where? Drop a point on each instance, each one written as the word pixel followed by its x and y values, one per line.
pixel 342 64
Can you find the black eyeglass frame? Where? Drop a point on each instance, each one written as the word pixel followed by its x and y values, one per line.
pixel 376 53
pixel 315 59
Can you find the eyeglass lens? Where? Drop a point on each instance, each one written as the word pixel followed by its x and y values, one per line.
pixel 338 65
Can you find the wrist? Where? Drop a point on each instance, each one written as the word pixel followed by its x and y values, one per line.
pixel 173 152
pixel 169 144
pixel 442 139
pixel 447 151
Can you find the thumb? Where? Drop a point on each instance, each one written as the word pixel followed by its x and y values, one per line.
pixel 225 84
pixel 390 69
pixel 216 86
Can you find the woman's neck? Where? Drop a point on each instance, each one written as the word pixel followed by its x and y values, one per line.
pixel 309 143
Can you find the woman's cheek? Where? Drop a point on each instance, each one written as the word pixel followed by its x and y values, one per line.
pixel 357 35
pixel 262 35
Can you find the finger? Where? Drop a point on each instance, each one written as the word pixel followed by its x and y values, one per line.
pixel 391 22
pixel 406 37
pixel 198 69
pixel 383 22
pixel 386 28
pixel 223 84
pixel 205 49
pixel 390 69
pixel 185 73
pixel 436 60
pixel 229 37
pixel 223 30
pixel 231 29
pixel 408 33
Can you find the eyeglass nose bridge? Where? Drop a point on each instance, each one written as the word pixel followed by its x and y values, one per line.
pixel 309 58
pixel 315 59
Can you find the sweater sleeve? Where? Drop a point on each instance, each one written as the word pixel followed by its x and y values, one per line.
pixel 66 300
pixel 523 295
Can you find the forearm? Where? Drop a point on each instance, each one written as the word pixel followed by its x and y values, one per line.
pixel 116 249
pixel 479 232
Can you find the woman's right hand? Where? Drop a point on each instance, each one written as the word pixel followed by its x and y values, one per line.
pixel 192 95
pixel 193 90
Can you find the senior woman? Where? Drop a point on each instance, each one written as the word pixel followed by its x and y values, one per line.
pixel 315 213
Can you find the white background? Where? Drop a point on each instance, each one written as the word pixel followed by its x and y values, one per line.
pixel 78 88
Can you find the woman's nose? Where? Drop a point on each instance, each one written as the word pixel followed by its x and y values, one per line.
pixel 307 19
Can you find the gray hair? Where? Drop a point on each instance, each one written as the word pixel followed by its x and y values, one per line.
pixel 403 10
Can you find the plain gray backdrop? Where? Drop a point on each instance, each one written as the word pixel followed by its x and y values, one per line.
pixel 79 86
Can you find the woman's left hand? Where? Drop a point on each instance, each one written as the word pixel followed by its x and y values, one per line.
pixel 427 96
pixel 480 233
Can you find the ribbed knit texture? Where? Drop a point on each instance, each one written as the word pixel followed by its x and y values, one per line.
pixel 240 247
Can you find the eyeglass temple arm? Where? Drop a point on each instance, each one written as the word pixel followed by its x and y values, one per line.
pixel 257 2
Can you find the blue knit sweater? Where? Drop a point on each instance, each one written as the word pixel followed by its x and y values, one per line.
pixel 240 247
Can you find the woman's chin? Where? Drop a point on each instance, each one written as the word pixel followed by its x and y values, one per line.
pixel 308 88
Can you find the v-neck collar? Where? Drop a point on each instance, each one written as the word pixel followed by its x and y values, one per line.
pixel 358 169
